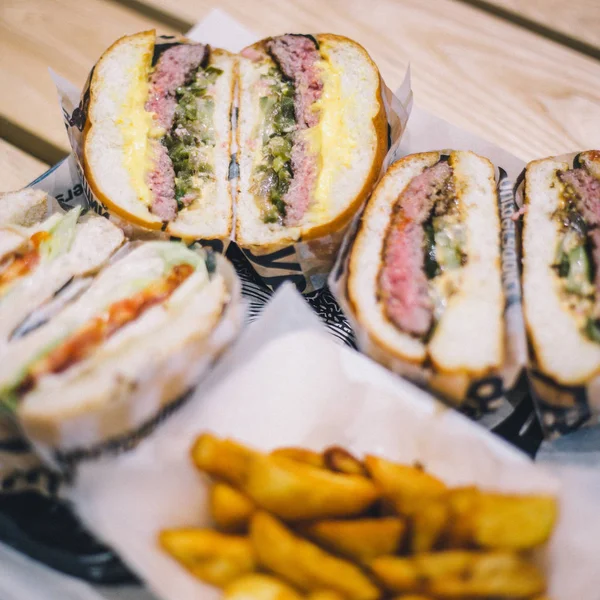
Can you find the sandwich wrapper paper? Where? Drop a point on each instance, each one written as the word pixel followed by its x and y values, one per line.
pixel 306 263
pixel 492 398
pixel 268 392
pixel 561 408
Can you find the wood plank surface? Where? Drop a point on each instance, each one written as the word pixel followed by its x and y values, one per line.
pixel 529 95
pixel 579 19
pixel 17 168
pixel 67 35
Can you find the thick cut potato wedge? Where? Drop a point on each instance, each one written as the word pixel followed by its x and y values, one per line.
pixel 500 521
pixel 361 540
pixel 223 459
pixel 295 491
pixel 406 486
pixel 325 595
pixel 229 508
pixel 340 460
pixel 429 524
pixel 458 574
pixel 304 564
pixel 260 587
pixel 513 522
pixel 462 503
pixel 213 557
pixel 309 457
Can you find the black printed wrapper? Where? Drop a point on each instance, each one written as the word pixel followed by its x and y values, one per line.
pixel 561 408
pixel 489 399
pixel 75 109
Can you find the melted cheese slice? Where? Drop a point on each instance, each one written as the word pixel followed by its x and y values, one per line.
pixel 137 127
pixel 332 139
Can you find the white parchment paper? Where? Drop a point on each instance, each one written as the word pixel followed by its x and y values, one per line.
pixel 279 393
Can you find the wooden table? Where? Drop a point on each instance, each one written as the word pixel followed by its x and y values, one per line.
pixel 524 74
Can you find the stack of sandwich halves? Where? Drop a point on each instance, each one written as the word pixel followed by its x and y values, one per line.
pixel 98 334
pixel 311 135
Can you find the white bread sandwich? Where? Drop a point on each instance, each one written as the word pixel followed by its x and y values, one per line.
pixel 39 262
pixel 156 148
pixel 424 273
pixel 136 340
pixel 24 207
pixel 311 134
pixel 561 266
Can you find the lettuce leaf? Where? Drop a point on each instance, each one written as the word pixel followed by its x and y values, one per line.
pixel 61 236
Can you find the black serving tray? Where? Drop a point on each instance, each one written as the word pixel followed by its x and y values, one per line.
pixel 46 530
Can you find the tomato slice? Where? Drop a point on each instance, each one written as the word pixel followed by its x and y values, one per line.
pixel 87 338
pixel 25 263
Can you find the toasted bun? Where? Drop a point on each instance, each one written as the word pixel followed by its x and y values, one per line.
pixel 116 155
pixel 24 208
pixel 118 92
pixel 468 339
pixel 355 143
pixel 561 350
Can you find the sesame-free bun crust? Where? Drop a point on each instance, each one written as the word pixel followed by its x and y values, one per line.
pixel 119 70
pixel 23 208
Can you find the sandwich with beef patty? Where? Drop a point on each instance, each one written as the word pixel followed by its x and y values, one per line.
pixel 156 146
pixel 561 259
pixel 424 272
pixel 312 135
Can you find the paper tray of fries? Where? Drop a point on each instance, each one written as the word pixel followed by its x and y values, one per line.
pixel 313 400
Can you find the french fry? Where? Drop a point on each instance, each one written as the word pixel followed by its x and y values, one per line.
pixel 229 508
pixel 324 595
pixel 406 486
pixel 259 587
pixel 462 503
pixel 500 521
pixel 361 540
pixel 223 459
pixel 457 574
pixel 505 522
pixel 367 512
pixel 213 557
pixel 429 523
pixel 340 460
pixel 309 457
pixel 304 564
pixel 295 491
